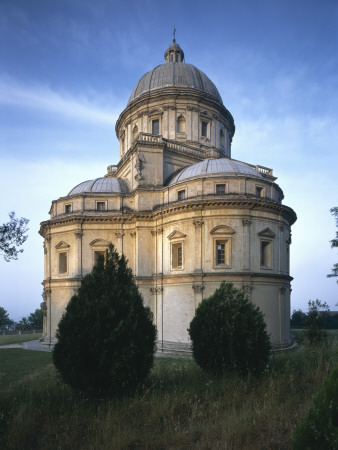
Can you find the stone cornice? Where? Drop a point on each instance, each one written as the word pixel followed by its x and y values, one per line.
pixel 172 208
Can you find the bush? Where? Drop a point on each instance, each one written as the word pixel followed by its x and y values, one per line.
pixel 106 337
pixel 228 333
pixel 319 429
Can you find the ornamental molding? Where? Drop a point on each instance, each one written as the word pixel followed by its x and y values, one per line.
pixel 132 234
pixel 156 290
pixel 288 240
pixel 192 108
pixel 176 235
pixel 267 232
pixel 156 232
pixel 100 243
pixel 62 244
pixel 169 107
pixel 246 221
pixel 198 288
pixel 78 234
pixel 198 223
pixel 222 229
pixel 119 234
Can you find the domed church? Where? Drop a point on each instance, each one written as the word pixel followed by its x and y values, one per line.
pixel 185 214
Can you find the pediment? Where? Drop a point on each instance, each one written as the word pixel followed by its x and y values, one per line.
pixel 176 235
pixel 99 243
pixel 267 232
pixel 62 244
pixel 222 229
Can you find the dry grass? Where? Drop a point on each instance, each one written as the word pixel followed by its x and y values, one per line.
pixel 179 407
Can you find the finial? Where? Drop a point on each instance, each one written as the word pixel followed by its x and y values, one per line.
pixel 174 40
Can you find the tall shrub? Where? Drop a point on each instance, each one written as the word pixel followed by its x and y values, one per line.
pixel 106 337
pixel 228 333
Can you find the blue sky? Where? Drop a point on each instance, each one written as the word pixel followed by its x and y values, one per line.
pixel 67 70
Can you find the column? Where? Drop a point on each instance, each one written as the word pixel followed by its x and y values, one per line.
pixel 246 244
pixel 78 235
pixel 198 246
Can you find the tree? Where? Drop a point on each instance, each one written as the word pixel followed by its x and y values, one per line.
pixel 106 337
pixel 6 324
pixel 298 319
pixel 334 243
pixel 228 333
pixel 319 429
pixel 12 235
pixel 33 322
pixel 315 319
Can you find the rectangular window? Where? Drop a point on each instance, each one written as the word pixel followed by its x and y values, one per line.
pixel 97 255
pixel 222 252
pixel 156 126
pixel 68 209
pixel 259 191
pixel 266 257
pixel 62 262
pixel 177 256
pixel 101 206
pixel 220 188
pixel 204 130
pixel 181 195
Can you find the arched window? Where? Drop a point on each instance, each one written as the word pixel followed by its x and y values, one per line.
pixel 181 124
pixel 135 132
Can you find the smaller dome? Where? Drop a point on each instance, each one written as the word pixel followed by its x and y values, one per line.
pixel 110 185
pixel 214 167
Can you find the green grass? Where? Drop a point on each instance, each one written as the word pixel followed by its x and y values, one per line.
pixel 300 333
pixel 18 338
pixel 179 407
pixel 17 365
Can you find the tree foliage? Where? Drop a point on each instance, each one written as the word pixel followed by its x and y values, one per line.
pixel 12 235
pixel 334 244
pixel 33 322
pixel 228 333
pixel 319 429
pixel 315 319
pixel 298 319
pixel 106 337
pixel 6 324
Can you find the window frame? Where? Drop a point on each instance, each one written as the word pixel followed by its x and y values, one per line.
pixel 68 208
pixel 264 263
pixel 104 202
pixel 205 127
pixel 96 254
pixel 217 185
pixel 259 191
pixel 181 195
pixel 153 121
pixel 226 241
pixel 176 246
pixel 65 253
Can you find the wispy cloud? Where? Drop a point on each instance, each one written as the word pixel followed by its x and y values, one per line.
pixel 45 99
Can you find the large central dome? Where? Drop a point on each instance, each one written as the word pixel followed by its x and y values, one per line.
pixel 175 74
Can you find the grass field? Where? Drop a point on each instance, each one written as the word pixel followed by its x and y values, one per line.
pixel 179 407
pixel 18 338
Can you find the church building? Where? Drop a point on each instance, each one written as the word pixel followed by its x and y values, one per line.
pixel 185 214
